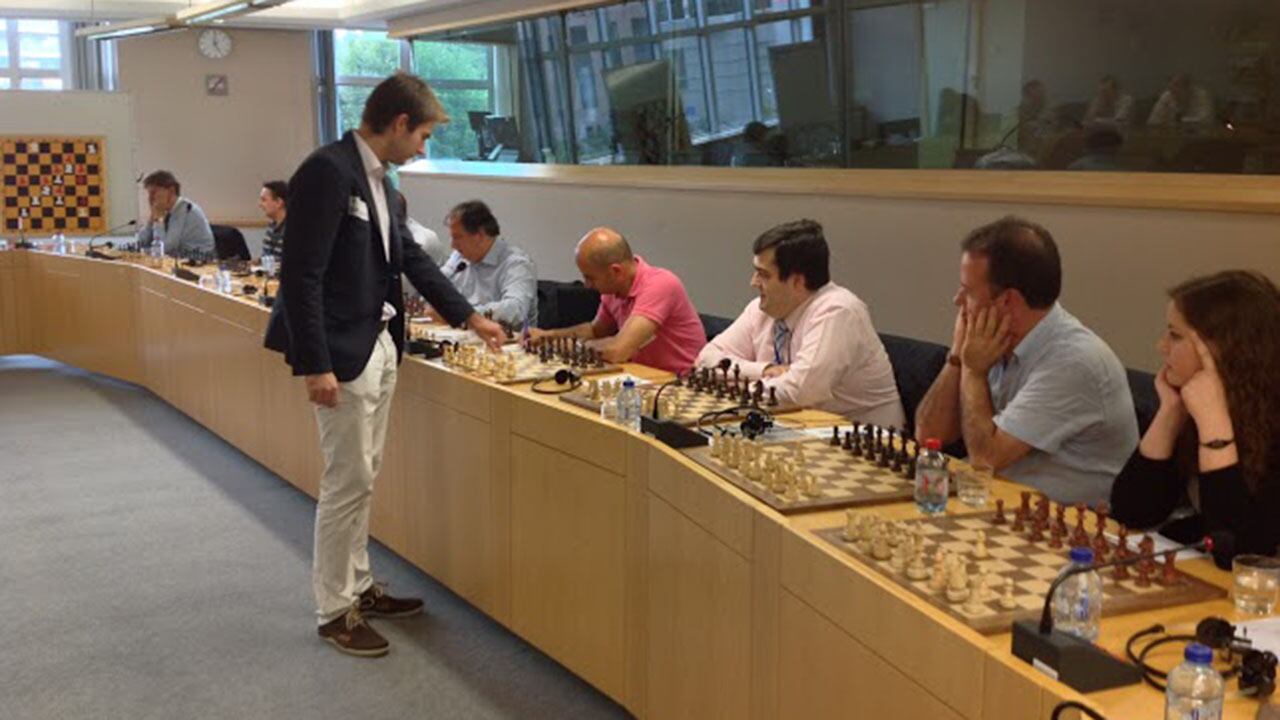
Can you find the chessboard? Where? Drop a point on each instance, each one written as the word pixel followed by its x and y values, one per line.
pixel 980 570
pixel 813 473
pixel 53 184
pixel 681 404
pixel 518 365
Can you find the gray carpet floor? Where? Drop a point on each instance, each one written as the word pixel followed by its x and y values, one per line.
pixel 150 570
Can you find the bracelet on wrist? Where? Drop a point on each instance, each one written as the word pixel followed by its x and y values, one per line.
pixel 1218 443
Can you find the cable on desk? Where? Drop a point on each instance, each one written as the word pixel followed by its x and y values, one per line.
pixel 1073 705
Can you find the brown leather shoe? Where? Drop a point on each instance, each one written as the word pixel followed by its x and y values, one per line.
pixel 352 635
pixel 375 602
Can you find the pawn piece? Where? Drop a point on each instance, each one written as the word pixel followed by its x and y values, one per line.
pixel 1025 507
pixel 938 576
pixel 980 546
pixel 1037 530
pixel 1120 572
pixel 1100 513
pixel 1122 546
pixel 916 569
pixel 958 583
pixel 999 519
pixel 1007 600
pixel 1019 520
pixel 1060 519
pixel 1055 536
pixel 1169 574
pixel 773 397
pixel 1144 575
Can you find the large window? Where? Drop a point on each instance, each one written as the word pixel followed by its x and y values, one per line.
pixel 1140 85
pixel 462 75
pixel 34 55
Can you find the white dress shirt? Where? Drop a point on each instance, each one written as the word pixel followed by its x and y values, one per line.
pixel 376 171
pixel 835 359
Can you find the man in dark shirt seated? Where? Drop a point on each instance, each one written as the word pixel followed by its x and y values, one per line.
pixel 272 201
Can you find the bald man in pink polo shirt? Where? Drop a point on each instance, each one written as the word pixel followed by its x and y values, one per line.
pixel 645 315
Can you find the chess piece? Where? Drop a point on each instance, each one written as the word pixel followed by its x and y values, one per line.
pixel 1037 530
pixel 973 605
pixel 1122 545
pixel 1100 514
pixel 980 546
pixel 847 444
pixel 957 584
pixel 999 519
pixel 1007 600
pixel 850 532
pixel 1060 519
pixel 880 549
pixel 916 569
pixel 1120 572
pixel 1169 574
pixel 1055 536
pixel 773 397
pixel 938 575
pixel 1144 575
pixel 810 484
pixel 835 436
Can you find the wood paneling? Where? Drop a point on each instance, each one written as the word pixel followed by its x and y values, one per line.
pixel 567 568
pixel 825 673
pixel 699 621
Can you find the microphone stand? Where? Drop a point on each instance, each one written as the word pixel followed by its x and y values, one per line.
pixel 1072 660
pixel 92 253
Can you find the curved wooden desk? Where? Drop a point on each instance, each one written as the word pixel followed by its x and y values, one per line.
pixel 657 582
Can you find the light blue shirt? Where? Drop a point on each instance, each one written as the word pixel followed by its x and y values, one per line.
pixel 505 282
pixel 186 229
pixel 1065 393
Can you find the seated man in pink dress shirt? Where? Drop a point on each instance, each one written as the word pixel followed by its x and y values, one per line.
pixel 807 337
pixel 645 315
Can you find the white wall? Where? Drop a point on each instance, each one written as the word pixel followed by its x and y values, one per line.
pixel 898 255
pixel 222 148
pixel 109 115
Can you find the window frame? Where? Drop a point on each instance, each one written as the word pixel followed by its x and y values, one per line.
pixel 15 73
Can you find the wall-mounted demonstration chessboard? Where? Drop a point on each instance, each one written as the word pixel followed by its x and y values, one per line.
pixel 988 570
pixel 53 184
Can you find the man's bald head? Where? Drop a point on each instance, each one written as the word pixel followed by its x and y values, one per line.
pixel 604 258
pixel 603 246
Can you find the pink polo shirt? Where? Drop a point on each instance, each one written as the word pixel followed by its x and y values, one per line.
pixel 657 294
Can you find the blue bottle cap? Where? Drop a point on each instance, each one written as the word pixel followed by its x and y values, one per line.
pixel 628 383
pixel 1082 555
pixel 1198 654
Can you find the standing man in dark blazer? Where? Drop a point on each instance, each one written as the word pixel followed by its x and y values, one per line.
pixel 339 320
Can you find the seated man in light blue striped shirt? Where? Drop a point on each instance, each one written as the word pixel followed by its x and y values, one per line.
pixel 497 278
pixel 1035 394
pixel 175 220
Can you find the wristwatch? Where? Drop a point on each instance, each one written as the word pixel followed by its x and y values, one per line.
pixel 1218 444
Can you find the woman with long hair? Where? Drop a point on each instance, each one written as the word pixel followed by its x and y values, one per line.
pixel 1211 457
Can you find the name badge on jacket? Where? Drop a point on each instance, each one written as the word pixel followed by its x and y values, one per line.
pixel 358 208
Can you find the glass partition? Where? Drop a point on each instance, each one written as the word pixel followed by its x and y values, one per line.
pixel 1088 85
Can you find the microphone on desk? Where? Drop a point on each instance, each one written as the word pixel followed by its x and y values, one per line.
pixel 462 265
pixel 1075 661
pixel 100 256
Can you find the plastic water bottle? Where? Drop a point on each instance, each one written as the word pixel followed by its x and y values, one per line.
pixel 224 279
pixel 933 480
pixel 1195 689
pixel 59 243
pixel 629 405
pixel 157 239
pixel 1077 603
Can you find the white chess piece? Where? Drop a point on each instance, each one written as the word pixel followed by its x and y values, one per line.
pixel 916 569
pixel 980 546
pixel 938 580
pixel 850 532
pixel 1006 600
pixel 958 583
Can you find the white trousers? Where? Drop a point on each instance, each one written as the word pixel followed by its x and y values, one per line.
pixel 351 439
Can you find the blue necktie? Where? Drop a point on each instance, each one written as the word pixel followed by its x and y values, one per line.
pixel 781 343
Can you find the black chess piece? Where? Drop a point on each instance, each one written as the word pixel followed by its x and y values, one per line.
pixel 757 397
pixel 848 441
pixel 773 397
pixel 835 436
pixel 679 381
